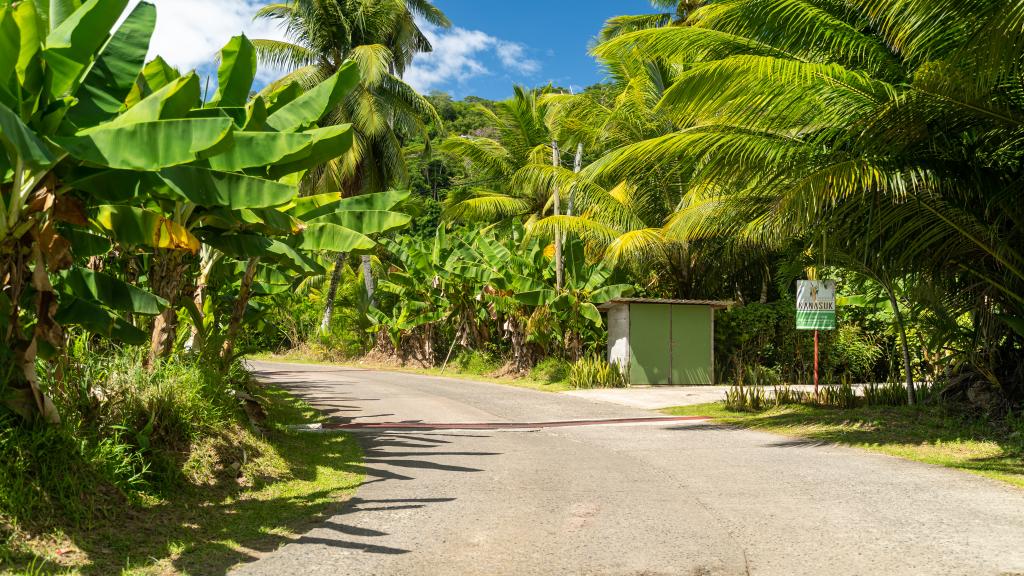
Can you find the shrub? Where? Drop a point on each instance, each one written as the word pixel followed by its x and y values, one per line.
pixel 756 375
pixel 841 396
pixel 551 370
pixel 596 372
pixel 746 399
pixel 891 394
pixel 784 395
pixel 476 362
pixel 126 434
pixel 854 353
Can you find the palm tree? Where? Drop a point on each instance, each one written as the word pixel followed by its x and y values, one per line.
pixel 679 10
pixel 522 140
pixel 888 133
pixel 519 171
pixel 382 37
pixel 624 218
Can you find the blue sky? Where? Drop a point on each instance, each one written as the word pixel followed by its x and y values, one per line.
pixel 530 42
pixel 490 46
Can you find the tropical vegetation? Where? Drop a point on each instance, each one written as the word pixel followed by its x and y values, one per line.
pixel 153 231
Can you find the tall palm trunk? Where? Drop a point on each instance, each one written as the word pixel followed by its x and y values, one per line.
pixel 332 293
pixel 368 278
pixel 559 264
pixel 238 313
pixel 901 328
pixel 577 167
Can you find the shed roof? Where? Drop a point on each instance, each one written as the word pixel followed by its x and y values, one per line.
pixel 711 303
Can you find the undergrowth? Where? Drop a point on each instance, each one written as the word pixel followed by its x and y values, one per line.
pixel 158 451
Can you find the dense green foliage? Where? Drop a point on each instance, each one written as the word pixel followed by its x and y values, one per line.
pixel 740 146
pixel 131 203
pixel 875 142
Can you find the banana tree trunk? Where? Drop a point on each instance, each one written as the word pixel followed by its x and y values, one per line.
pixel 368 278
pixel 166 277
pixel 197 340
pixel 332 292
pixel 24 395
pixel 238 313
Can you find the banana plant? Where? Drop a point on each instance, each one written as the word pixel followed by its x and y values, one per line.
pixel 329 223
pixel 101 149
pixel 483 288
pixel 236 189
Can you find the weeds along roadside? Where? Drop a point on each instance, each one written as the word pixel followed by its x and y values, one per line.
pixel 128 436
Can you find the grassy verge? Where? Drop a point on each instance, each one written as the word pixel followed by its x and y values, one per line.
pixel 926 434
pixel 452 371
pixel 287 482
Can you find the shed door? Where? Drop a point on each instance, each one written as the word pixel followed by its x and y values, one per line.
pixel 649 334
pixel 692 339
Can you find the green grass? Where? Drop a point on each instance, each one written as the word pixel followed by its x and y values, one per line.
pixel 925 434
pixel 294 481
pixel 534 383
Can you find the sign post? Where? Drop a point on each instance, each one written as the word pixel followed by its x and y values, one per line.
pixel 816 310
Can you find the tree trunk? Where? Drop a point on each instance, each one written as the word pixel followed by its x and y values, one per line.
pixel 209 258
pixel 908 371
pixel 166 277
pixel 577 167
pixel 559 265
pixel 368 278
pixel 238 313
pixel 332 292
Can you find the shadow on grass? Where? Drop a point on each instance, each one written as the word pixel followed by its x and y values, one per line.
pixel 206 530
pixel 932 434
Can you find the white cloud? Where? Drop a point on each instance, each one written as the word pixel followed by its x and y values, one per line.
pixel 513 56
pixel 189 33
pixel 458 56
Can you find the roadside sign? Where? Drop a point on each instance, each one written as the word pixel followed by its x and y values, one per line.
pixel 816 305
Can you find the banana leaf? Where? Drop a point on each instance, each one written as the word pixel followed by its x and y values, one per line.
pixel 112 76
pixel 332 237
pixel 139 227
pixel 328 143
pixel 97 320
pixel 21 142
pixel 112 293
pixel 147 145
pixel 156 75
pixel 311 210
pixel 261 149
pixel 174 100
pixel 70 47
pixel 236 73
pixel 602 295
pixel 235 191
pixel 306 110
pixel 366 222
pixel 83 243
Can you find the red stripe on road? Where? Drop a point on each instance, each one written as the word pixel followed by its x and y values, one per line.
pixel 506 425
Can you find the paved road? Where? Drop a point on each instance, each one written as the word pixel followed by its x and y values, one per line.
pixel 674 498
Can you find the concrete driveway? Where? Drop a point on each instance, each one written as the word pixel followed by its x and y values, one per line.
pixel 654 397
pixel 663 498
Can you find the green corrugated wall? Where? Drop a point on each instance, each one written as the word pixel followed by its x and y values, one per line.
pixel 671 344
pixel 692 341
pixel 649 334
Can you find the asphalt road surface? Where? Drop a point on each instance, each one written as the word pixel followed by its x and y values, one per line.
pixel 629 498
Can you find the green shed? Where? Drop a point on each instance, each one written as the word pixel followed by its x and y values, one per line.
pixel 663 342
